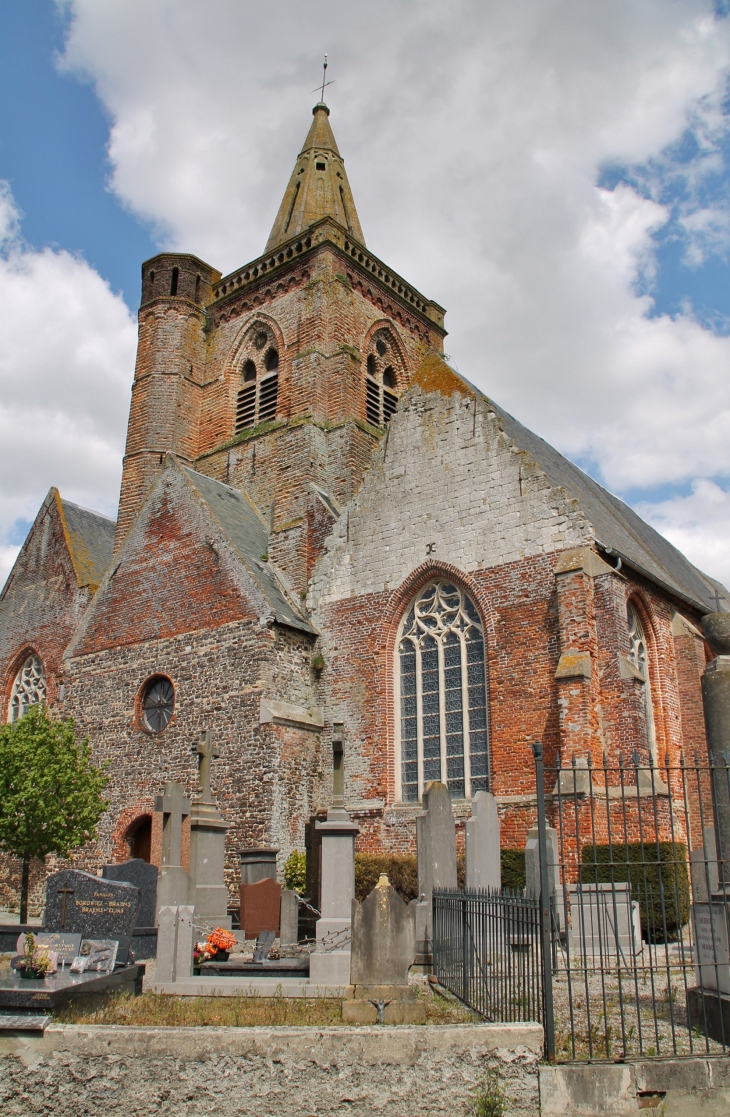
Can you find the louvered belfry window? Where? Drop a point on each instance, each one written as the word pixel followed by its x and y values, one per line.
pixel 259 392
pixel 381 398
pixel 443 694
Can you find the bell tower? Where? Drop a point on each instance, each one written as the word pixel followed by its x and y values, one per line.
pixel 289 368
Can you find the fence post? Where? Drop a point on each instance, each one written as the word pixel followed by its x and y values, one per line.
pixel 545 910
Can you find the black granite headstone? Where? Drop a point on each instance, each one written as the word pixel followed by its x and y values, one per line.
pixel 144 876
pixel 79 903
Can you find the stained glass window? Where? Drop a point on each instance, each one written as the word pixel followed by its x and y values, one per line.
pixel 639 656
pixel 29 687
pixel 443 694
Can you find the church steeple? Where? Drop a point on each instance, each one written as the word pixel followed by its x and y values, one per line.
pixel 317 188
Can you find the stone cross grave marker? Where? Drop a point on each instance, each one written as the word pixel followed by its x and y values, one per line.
pixel 174 886
pixel 483 843
pixel 208 844
pixel 80 903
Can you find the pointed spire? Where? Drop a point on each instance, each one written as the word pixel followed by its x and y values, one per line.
pixel 317 188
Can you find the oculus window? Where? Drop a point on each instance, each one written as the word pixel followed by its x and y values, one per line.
pixel 443 694
pixel 158 703
pixel 29 688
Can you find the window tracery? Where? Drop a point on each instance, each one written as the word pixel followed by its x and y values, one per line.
pixel 443 694
pixel 381 380
pixel 29 687
pixel 639 656
pixel 158 703
pixel 258 396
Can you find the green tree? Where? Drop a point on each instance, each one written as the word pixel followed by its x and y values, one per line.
pixel 50 792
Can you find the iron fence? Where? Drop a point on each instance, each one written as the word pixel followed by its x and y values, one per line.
pixel 622 946
pixel 487 950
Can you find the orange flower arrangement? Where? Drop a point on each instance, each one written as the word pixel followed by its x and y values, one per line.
pixel 220 939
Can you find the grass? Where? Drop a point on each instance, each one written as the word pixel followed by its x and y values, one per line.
pixel 162 1010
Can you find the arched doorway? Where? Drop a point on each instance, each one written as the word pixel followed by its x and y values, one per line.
pixel 139 838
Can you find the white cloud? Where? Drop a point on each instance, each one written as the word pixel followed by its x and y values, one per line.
pixel 474 135
pixel 8 556
pixel 66 364
pixel 699 524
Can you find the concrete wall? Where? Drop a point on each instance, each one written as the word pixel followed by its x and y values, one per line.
pixel 663 1087
pixel 76 1071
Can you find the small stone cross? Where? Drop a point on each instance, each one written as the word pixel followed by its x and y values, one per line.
pixel 65 892
pixel 207 752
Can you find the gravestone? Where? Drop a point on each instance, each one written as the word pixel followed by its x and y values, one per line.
pixel 289 918
pixel 703 867
pixel 260 907
pixel 436 849
pixel 532 872
pixel 143 876
pixel 66 946
pixel 174 885
pixel 80 903
pixel 712 945
pixel 383 950
pixel 175 943
pixel 208 845
pixel 330 962
pixel 260 895
pixel 606 922
pixel 708 1004
pixel 483 843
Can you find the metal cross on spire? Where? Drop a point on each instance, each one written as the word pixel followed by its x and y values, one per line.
pixel 325 83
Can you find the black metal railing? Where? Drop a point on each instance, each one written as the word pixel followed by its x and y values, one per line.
pixel 487 950
pixel 629 955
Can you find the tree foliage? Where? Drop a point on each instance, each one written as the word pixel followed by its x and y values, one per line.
pixel 51 795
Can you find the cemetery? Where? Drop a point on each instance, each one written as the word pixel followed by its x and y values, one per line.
pixel 599 943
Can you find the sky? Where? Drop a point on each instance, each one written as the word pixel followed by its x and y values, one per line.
pixel 554 173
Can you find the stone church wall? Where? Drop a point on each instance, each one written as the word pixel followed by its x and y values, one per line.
pixel 450 497
pixel 267 779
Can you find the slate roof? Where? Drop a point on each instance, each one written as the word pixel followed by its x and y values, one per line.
pixel 249 535
pixel 616 526
pixel 91 542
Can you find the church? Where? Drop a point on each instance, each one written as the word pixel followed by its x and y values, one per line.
pixel 326 534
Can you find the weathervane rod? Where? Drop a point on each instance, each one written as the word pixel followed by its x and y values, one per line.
pixel 325 83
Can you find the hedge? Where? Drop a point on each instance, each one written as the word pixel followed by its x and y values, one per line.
pixel 645 863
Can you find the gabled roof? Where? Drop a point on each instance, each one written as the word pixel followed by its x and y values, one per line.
pixel 616 527
pixel 90 540
pixel 249 535
pixel 318 187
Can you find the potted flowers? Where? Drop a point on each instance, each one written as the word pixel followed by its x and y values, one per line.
pixel 35 962
pixel 215 948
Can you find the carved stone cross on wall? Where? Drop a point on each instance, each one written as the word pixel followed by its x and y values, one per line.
pixel 207 753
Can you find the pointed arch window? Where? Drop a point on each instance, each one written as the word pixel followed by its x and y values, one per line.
pixel 29 688
pixel 259 392
pixel 442 688
pixel 639 656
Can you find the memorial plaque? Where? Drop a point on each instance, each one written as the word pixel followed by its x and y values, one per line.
pixel 79 903
pixel 143 876
pixel 65 946
pixel 96 956
pixel 711 945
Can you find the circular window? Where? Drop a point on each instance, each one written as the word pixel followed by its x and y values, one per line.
pixel 158 703
pixel 260 339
